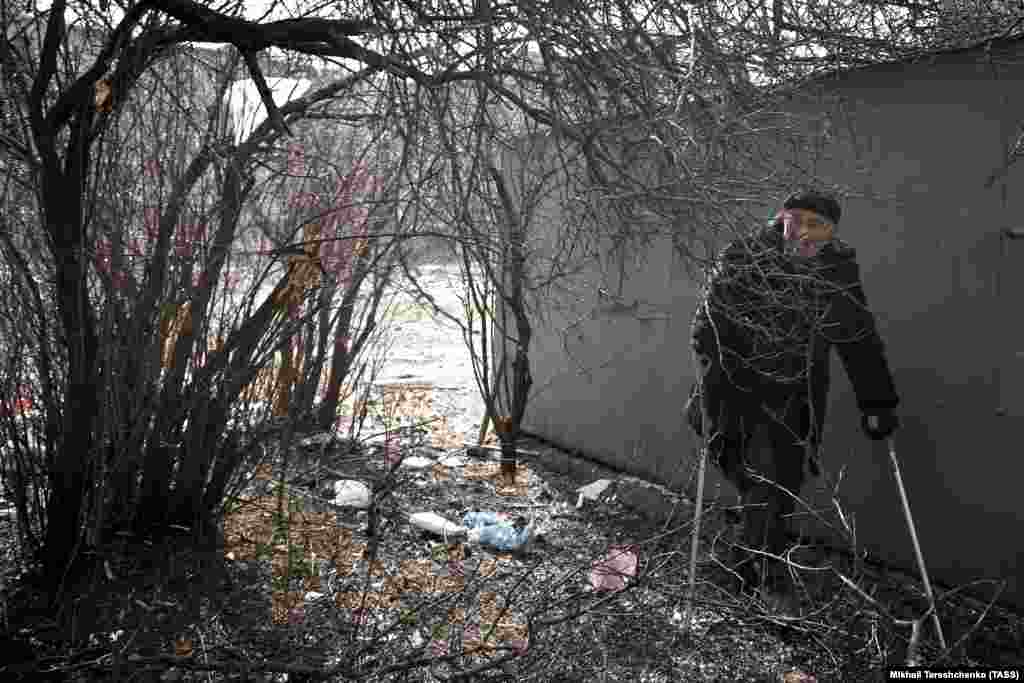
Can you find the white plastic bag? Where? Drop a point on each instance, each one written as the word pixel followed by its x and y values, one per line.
pixel 417 462
pixel 592 491
pixel 436 524
pixel 351 493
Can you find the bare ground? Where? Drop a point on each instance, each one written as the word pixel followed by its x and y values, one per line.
pixel 296 588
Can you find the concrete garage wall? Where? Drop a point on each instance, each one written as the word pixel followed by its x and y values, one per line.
pixel 944 281
pixel 622 367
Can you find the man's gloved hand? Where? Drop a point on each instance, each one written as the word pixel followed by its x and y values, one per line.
pixel 879 424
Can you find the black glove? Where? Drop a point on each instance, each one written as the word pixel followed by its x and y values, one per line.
pixel 879 424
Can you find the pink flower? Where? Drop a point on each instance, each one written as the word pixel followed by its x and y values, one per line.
pixel 359 178
pixel 304 200
pixel 611 572
pixel 118 279
pixel 186 236
pixel 456 568
pixel 151 222
pixel 360 229
pixel 335 217
pixel 103 256
pixel 343 191
pixel 334 255
pixel 296 615
pixel 344 275
pixel 392 452
pixel 358 217
pixel 231 279
pixel 438 648
pixel 22 403
pixel 151 167
pixel 519 646
pixel 344 424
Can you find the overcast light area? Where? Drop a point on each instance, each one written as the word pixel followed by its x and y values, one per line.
pixel 657 23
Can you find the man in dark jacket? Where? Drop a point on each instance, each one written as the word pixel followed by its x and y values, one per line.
pixel 775 305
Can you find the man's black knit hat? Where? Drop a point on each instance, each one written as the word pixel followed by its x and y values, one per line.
pixel 822 204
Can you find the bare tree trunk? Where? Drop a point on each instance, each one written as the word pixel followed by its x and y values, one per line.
pixel 341 360
pixel 344 353
pixel 514 303
pixel 67 478
pixel 285 380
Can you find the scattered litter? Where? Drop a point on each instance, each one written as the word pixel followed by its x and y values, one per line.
pixel 592 491
pixel 497 530
pixel 351 493
pixel 485 450
pixel 611 572
pixel 417 640
pixel 436 524
pixel 454 461
pixel 416 462
pixel 317 440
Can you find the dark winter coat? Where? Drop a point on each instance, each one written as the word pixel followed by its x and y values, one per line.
pixel 765 330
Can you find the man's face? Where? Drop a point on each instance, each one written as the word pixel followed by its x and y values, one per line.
pixel 806 231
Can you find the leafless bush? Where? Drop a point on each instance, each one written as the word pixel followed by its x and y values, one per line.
pixel 651 117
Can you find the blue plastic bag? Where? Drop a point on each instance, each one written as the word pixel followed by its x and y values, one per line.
pixel 496 531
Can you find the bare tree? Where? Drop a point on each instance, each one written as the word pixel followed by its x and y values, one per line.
pixel 688 83
pixel 105 435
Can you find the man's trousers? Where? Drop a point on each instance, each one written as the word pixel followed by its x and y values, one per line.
pixel 766 465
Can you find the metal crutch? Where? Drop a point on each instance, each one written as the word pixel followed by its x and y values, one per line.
pixel 698 511
pixel 917 544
